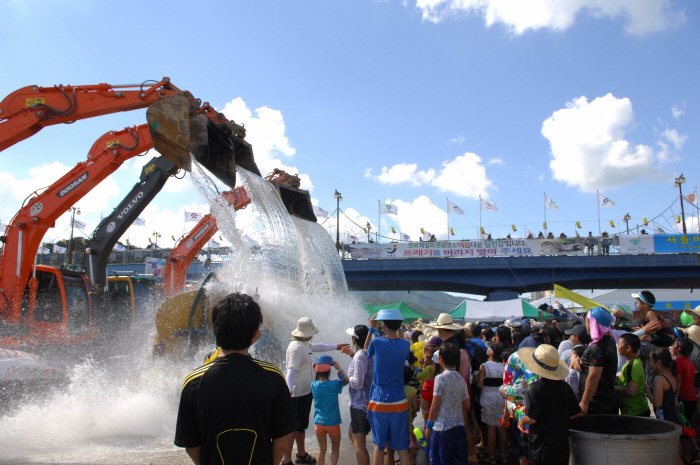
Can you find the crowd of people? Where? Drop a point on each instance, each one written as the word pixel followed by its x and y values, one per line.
pixel 502 392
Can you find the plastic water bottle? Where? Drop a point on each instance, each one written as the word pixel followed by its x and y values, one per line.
pixel 660 414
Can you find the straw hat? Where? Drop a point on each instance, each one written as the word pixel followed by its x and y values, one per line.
pixel 694 333
pixel 544 362
pixel 696 310
pixel 444 321
pixel 305 328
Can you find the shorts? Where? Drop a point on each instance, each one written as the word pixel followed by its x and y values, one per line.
pixel 329 430
pixel 688 408
pixel 358 421
pixel 390 427
pixel 449 446
pixel 302 409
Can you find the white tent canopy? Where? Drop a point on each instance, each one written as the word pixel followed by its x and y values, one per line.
pixel 475 310
pixel 609 297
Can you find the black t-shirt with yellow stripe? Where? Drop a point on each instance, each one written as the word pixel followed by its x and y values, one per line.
pixel 233 409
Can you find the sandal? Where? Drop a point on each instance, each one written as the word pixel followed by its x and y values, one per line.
pixel 305 459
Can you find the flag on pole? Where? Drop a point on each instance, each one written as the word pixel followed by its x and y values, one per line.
pixel 118 246
pixel 678 219
pixel 426 236
pixel 646 223
pixel 214 243
pixel 612 224
pixel 387 209
pixel 192 216
pixel 405 237
pixel 452 231
pixel 693 197
pixel 513 226
pixel 488 206
pixel 393 230
pixel 528 233
pixel 58 249
pixel 139 222
pixel 320 212
pixel 544 225
pixel 659 230
pixel 452 208
pixel 549 203
pixel 42 250
pixel 578 224
pixel 353 238
pixel 79 224
pixel 603 201
pixel 422 231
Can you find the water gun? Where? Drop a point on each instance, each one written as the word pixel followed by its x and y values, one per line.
pixel 422 441
pixel 687 427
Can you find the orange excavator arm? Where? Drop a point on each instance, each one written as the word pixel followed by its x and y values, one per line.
pixel 189 245
pixel 27 229
pixel 26 111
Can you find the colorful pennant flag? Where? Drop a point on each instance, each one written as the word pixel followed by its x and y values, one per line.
pixel 393 230
pixel 79 224
pixel 482 230
pixel 118 246
pixel 452 231
pixel 585 302
pixel 513 226
pixel 544 225
pixel 693 197
pixel 405 237
pixel 320 212
pixel 578 224
pixel 139 222
pixel 646 222
pixel 678 219
pixel 612 224
pixel 58 249
pixel 422 231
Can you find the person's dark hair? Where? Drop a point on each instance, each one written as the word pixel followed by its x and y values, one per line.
pixel 415 335
pixel 664 356
pixel 504 336
pixel 460 338
pixel 235 318
pixel 685 345
pixel 633 341
pixel 323 375
pixel 538 338
pixel 506 354
pixel 497 348
pixel 649 297
pixel 450 354
pixel 550 336
pixel 518 335
pixel 487 334
pixel 411 358
pixel 578 350
pixel 534 330
pixel 407 374
pixel 361 332
pixel 393 325
pixel 477 330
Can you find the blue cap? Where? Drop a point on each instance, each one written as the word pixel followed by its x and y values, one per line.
pixel 602 316
pixel 389 314
pixel 324 359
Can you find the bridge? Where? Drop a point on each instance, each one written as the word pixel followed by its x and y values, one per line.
pixel 500 269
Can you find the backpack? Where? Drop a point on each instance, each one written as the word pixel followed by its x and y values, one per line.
pixel 477 353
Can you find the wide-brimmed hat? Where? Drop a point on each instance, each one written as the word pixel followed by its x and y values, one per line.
pixel 694 333
pixel 444 321
pixel 305 328
pixel 544 361
pixel 696 310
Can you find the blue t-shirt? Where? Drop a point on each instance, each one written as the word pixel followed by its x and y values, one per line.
pixel 389 360
pixel 326 406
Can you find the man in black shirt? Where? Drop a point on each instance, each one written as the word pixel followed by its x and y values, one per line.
pixel 236 410
pixel 599 367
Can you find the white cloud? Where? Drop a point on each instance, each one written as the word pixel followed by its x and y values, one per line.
pixel 421 213
pixel 464 176
pixel 265 131
pixel 13 191
pixel 495 161
pixel 456 140
pixel 639 16
pixel 678 110
pixel 674 138
pixel 589 145
pixel 540 177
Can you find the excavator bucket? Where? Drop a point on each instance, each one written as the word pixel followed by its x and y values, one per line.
pixel 297 201
pixel 179 133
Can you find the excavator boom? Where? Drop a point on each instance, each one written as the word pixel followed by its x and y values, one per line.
pixel 26 111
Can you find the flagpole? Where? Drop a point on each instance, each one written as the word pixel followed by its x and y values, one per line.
pixel 597 199
pixel 545 213
pixel 448 219
pixel 379 219
pixel 479 235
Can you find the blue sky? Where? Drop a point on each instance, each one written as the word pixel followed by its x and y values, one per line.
pixel 409 102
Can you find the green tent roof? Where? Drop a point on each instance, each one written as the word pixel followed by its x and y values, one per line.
pixel 407 312
pixel 529 311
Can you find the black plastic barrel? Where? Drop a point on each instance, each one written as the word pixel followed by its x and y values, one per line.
pixel 623 440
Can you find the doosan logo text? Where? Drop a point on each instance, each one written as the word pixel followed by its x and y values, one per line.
pixel 66 190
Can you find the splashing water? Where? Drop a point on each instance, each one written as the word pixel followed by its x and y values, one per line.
pixel 123 409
